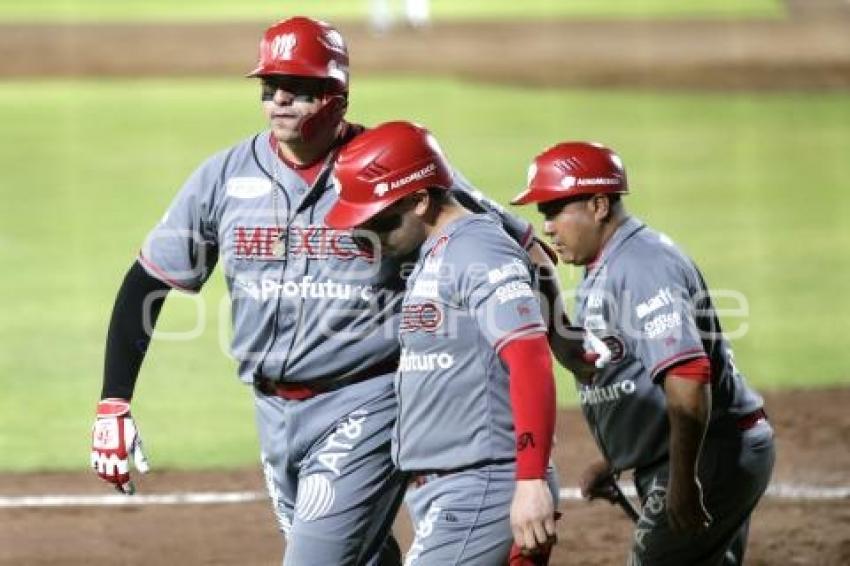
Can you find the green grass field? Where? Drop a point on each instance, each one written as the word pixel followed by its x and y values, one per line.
pixel 753 186
pixel 232 10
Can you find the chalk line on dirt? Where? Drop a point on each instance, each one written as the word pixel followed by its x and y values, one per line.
pixel 798 492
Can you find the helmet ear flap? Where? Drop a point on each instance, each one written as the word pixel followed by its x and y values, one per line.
pixel 327 117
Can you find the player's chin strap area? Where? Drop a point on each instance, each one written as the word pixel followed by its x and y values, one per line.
pixel 327 117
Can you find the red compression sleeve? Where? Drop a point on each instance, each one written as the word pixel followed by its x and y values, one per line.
pixel 532 384
pixel 697 369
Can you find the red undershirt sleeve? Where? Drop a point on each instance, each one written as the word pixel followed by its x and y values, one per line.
pixel 697 369
pixel 532 391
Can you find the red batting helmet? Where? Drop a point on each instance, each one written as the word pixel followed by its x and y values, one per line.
pixel 572 169
pixel 381 166
pixel 306 48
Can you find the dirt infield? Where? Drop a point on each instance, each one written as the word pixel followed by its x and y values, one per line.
pixel 812 431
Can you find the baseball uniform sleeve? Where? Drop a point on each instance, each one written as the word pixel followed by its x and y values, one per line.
pixel 474 200
pixel 661 312
pixel 182 249
pixel 497 285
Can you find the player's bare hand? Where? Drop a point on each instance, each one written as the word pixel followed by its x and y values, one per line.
pixel 115 439
pixel 686 511
pixel 597 482
pixel 533 516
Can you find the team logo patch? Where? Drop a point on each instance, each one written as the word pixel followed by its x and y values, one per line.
pixel 617 347
pixel 316 495
pixel 247 187
pixel 283 45
pixel 421 316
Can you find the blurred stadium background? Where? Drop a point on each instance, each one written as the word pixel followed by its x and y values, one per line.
pixel 733 119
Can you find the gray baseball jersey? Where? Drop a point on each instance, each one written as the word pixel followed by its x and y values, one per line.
pixel 306 302
pixel 649 303
pixel 469 294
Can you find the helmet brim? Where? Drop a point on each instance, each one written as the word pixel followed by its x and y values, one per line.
pixel 345 215
pixel 524 197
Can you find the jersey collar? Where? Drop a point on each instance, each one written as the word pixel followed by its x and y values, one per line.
pixel 437 242
pixel 624 232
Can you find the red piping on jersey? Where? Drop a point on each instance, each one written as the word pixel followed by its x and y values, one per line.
pixel 160 274
pixel 675 359
pixel 697 369
pixel 532 392
pixel 518 333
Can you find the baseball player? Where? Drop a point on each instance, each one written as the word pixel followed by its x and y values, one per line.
pixel 670 403
pixel 314 317
pixel 476 399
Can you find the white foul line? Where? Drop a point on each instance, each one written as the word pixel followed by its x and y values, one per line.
pixel 187 498
pixel 789 491
pixel 796 492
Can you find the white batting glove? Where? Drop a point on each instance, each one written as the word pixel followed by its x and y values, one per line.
pixel 595 345
pixel 115 439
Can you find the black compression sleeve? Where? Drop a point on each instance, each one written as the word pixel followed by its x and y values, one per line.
pixel 127 340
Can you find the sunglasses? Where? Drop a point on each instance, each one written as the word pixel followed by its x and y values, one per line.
pixel 553 208
pixel 302 89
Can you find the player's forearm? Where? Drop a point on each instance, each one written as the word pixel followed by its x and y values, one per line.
pixel 130 330
pixel 688 409
pixel 551 301
pixel 532 392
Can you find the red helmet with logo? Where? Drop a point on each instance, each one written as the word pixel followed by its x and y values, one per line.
pixel 573 169
pixel 306 48
pixel 381 166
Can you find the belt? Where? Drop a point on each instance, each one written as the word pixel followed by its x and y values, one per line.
pixel 301 390
pixel 752 419
pixel 421 477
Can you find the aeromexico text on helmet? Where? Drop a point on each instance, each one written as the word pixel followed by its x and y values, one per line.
pixel 569 181
pixel 384 187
